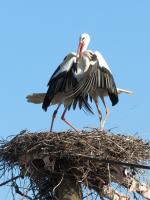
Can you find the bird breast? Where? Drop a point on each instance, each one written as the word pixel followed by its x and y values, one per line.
pixel 83 64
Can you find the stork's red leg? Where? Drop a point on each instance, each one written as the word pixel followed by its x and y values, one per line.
pixel 63 118
pixel 53 117
pixel 100 114
pixel 106 109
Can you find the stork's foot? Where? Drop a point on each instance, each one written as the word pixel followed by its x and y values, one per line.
pixel 101 125
pixel 101 129
pixel 75 129
pixel 50 130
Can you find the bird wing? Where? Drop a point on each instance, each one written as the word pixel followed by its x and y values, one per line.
pixel 109 82
pixel 65 66
pixel 101 60
pixel 62 79
pixel 97 77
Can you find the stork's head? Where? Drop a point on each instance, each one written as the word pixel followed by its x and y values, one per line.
pixel 84 41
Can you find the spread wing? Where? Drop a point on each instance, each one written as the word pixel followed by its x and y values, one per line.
pixel 97 77
pixel 62 79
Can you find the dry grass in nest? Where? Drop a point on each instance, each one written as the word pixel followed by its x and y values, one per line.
pixel 88 156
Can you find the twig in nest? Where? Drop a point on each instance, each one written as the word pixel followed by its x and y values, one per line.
pixel 10 180
pixel 109 174
pixel 19 192
pixel 25 192
pixel 58 185
pixel 113 161
pixel 90 194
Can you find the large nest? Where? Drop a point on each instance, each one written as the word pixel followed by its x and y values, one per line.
pixel 92 159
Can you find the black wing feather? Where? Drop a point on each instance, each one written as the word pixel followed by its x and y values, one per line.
pixel 64 82
pixel 97 77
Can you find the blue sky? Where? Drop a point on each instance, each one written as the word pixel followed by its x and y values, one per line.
pixel 36 35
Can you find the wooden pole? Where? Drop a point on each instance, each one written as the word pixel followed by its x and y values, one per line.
pixel 68 189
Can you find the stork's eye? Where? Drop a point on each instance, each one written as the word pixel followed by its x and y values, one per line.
pixel 83 38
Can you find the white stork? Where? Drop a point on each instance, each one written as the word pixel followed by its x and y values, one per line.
pixel 79 75
pixel 62 81
pixel 95 78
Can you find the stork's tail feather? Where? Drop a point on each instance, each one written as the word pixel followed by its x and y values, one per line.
pixel 36 98
pixel 119 90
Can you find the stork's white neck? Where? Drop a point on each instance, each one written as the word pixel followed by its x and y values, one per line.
pixel 84 42
pixel 85 46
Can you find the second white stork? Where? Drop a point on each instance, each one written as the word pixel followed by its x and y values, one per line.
pixel 95 78
pixel 62 81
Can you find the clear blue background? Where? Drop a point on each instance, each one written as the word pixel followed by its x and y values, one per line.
pixel 36 35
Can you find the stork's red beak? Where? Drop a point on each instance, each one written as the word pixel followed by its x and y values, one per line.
pixel 80 47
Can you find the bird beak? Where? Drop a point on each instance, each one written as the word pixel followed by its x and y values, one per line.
pixel 80 47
